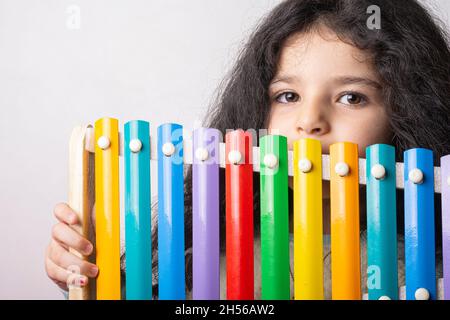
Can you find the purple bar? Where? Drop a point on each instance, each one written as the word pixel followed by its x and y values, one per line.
pixel 445 187
pixel 205 214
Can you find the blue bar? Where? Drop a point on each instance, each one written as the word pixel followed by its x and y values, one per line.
pixel 171 261
pixel 138 243
pixel 382 279
pixel 420 264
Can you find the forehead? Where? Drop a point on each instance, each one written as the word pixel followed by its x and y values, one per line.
pixel 322 50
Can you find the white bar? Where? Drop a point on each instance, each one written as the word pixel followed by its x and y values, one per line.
pixel 187 146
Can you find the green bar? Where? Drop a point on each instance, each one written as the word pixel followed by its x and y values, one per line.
pixel 275 273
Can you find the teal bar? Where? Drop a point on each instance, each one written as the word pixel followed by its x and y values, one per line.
pixel 138 245
pixel 382 279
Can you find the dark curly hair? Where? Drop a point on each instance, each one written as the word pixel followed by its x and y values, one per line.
pixel 410 52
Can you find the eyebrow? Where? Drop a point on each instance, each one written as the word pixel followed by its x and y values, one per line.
pixel 358 80
pixel 284 78
pixel 339 80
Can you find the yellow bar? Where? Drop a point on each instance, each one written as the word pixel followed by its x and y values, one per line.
pixel 107 209
pixel 345 254
pixel 308 231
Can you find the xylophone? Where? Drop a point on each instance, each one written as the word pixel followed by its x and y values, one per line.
pixel 94 176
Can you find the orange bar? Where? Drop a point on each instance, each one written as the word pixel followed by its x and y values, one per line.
pixel 345 254
pixel 107 208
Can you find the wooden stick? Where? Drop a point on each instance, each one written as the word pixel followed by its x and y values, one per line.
pixel 81 199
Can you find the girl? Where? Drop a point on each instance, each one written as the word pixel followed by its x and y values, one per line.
pixel 315 68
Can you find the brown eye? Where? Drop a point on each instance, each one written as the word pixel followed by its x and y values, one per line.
pixel 352 99
pixel 287 97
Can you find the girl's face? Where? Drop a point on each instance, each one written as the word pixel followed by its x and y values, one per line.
pixel 327 90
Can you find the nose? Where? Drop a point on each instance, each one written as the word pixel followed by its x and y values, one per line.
pixel 312 120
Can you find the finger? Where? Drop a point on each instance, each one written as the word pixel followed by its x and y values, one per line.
pixel 69 261
pixel 65 214
pixel 62 285
pixel 70 238
pixel 93 216
pixel 76 280
pixel 56 274
pixel 64 278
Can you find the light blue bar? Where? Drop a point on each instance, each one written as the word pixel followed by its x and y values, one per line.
pixel 420 264
pixel 381 224
pixel 138 245
pixel 171 261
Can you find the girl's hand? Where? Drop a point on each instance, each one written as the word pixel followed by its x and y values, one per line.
pixel 59 262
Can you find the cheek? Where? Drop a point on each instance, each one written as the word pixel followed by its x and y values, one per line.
pixel 364 132
pixel 281 123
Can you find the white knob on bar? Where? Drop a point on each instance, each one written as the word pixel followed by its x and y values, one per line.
pixel 103 142
pixel 384 298
pixel 270 160
pixel 422 294
pixel 378 171
pixel 135 145
pixel 342 169
pixel 305 165
pixel 201 154
pixel 168 149
pixel 416 176
pixel 234 156
pixel 448 181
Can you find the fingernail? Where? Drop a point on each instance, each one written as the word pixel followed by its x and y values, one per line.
pixel 83 281
pixel 88 248
pixel 93 271
pixel 72 218
pixel 75 280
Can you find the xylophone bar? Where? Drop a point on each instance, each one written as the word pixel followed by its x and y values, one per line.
pixel 205 214
pixel 187 159
pixel 239 216
pixel 344 213
pixel 445 165
pixel 107 208
pixel 420 267
pixel 275 277
pixel 382 262
pixel 138 211
pixel 171 259
pixel 308 225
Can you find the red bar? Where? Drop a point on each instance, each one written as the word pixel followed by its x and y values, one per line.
pixel 239 217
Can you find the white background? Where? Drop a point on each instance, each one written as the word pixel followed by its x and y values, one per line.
pixel 156 60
